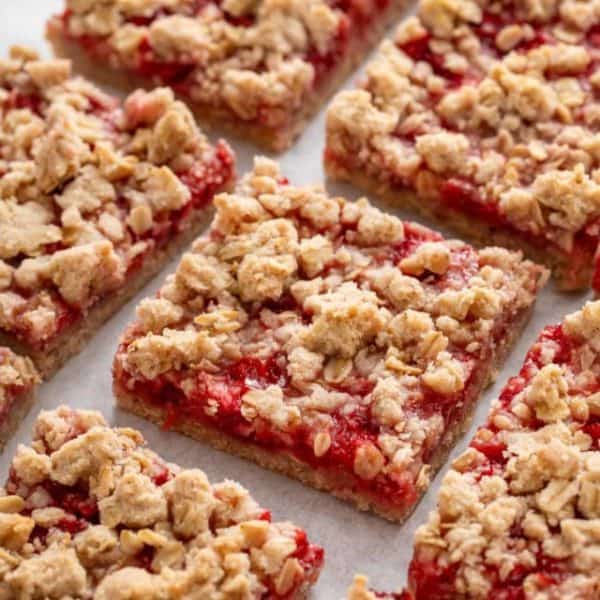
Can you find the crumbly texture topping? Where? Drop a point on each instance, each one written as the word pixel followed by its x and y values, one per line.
pixel 488 103
pixel 304 315
pixel 17 375
pixel 88 188
pixel 90 512
pixel 259 60
pixel 520 509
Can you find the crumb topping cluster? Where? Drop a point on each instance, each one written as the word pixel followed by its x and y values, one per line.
pixel 17 374
pixel 488 104
pixel 258 59
pixel 331 324
pixel 87 188
pixel 91 512
pixel 521 507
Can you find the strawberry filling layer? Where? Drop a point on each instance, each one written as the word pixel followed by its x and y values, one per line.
pixel 428 579
pixel 170 392
pixel 203 179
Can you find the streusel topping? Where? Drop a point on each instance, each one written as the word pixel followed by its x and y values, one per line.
pixel 488 103
pixel 87 188
pixel 521 507
pixel 257 59
pixel 90 512
pixel 17 374
pixel 301 310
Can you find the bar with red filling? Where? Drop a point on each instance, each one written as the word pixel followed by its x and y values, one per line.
pixel 95 196
pixel 483 116
pixel 90 511
pixel 325 339
pixel 18 383
pixel 262 69
pixel 518 514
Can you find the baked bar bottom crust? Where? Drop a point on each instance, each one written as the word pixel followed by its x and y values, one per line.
pixel 72 340
pixel 571 273
pixel 332 481
pixel 275 139
pixel 17 411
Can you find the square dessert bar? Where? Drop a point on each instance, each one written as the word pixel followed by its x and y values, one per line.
pixel 518 514
pixel 95 196
pixel 484 116
pixel 91 512
pixel 18 382
pixel 261 69
pixel 325 339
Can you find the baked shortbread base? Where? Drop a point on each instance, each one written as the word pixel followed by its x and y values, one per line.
pixel 18 385
pixel 325 339
pixel 112 519
pixel 277 138
pixel 570 273
pixel 517 513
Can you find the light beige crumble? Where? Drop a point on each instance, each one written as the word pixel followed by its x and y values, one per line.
pixel 204 541
pixel 308 284
pixel 256 69
pixel 511 116
pixel 16 373
pixel 83 179
pixel 544 500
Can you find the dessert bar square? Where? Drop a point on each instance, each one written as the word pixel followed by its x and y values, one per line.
pixel 90 512
pixel 325 339
pixel 95 196
pixel 18 382
pixel 484 116
pixel 518 514
pixel 262 69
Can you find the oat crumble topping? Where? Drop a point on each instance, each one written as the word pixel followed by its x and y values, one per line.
pixel 88 189
pixel 91 512
pixel 489 108
pixel 337 332
pixel 17 375
pixel 259 60
pixel 519 511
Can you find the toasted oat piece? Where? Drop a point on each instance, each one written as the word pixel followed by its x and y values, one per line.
pixel 483 116
pixel 95 196
pixel 261 69
pixel 325 339
pixel 91 512
pixel 18 382
pixel 518 514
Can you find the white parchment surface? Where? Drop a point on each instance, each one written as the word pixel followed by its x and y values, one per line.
pixel 354 542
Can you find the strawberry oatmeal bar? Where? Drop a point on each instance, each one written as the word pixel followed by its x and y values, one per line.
pixel 18 381
pixel 325 339
pixel 91 512
pixel 518 515
pixel 484 116
pixel 94 197
pixel 261 69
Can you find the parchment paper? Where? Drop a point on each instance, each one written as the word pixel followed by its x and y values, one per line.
pixel 354 542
